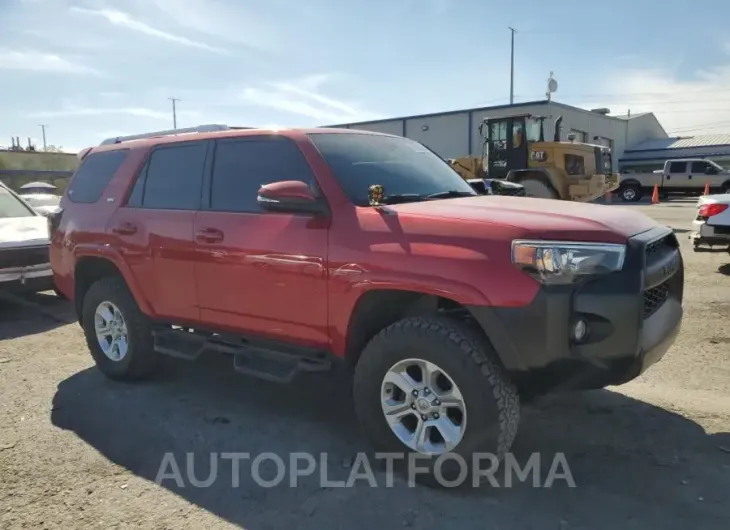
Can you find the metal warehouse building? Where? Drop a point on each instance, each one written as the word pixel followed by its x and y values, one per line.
pixel 455 134
pixel 651 154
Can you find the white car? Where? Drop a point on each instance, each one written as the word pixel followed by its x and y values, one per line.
pixel 24 259
pixel 712 223
pixel 45 204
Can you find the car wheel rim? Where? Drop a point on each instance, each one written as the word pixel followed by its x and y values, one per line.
pixel 629 194
pixel 111 331
pixel 423 406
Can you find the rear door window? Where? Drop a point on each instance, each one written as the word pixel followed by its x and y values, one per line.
pixel 94 174
pixel 172 178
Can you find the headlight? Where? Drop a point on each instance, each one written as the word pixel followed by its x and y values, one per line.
pixel 559 262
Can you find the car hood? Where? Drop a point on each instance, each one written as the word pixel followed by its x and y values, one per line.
pixel 23 231
pixel 539 218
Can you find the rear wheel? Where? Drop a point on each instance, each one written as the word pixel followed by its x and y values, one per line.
pixel 118 334
pixel 631 193
pixel 428 387
pixel 538 189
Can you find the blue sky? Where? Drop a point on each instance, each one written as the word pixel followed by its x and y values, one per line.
pixel 89 69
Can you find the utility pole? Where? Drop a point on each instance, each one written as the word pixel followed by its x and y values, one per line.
pixel 174 112
pixel 43 128
pixel 512 69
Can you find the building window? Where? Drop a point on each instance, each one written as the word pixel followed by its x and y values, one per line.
pixel 606 142
pixel 580 136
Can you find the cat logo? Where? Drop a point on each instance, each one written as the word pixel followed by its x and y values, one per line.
pixel 538 156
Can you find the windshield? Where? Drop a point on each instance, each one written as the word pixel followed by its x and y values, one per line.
pixel 400 165
pixel 11 206
pixel 716 165
pixel 42 200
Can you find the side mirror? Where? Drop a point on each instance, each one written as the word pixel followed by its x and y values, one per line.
pixel 709 170
pixel 291 196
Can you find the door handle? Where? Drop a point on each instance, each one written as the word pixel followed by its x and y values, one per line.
pixel 690 176
pixel 209 235
pixel 125 229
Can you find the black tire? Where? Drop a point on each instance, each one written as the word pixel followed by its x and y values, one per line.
pixel 492 401
pixel 725 187
pixel 535 187
pixel 631 193
pixel 141 361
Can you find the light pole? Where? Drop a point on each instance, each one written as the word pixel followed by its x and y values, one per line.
pixel 174 112
pixel 43 128
pixel 512 69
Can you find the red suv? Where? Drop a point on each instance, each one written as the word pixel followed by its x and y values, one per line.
pixel 293 249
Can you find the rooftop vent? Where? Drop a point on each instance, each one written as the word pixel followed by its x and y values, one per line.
pixel 602 110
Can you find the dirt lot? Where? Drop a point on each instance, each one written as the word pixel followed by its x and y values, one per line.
pixel 77 450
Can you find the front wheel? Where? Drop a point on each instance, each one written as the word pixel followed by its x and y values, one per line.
pixel 630 194
pixel 538 189
pixel 430 388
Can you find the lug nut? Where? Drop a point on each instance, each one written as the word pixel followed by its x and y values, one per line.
pixel 437 402
pixel 426 391
pixel 435 415
pixel 415 392
pixel 413 406
pixel 423 417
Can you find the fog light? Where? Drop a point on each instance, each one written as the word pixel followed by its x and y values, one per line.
pixel 580 330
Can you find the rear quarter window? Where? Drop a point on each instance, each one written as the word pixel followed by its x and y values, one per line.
pixel 94 175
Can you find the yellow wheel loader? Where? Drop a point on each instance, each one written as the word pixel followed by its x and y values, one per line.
pixel 515 150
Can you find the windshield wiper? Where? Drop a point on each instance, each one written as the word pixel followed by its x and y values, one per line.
pixel 398 198
pixel 449 194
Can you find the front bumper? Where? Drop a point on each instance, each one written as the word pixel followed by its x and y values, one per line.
pixel 27 279
pixel 25 269
pixel 633 318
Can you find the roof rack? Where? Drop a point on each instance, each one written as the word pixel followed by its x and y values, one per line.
pixel 170 132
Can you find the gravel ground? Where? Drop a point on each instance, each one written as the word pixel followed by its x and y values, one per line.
pixel 78 451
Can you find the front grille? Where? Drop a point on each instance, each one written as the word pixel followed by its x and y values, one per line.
pixel 23 257
pixel 723 230
pixel 655 248
pixel 654 298
pixel 656 253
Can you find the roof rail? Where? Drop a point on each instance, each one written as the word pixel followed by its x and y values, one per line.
pixel 170 132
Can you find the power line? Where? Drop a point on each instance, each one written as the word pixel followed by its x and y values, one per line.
pixel 702 126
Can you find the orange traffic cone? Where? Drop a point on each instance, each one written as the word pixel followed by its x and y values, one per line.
pixel 707 189
pixel 655 195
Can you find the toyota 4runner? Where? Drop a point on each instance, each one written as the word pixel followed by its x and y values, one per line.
pixel 293 249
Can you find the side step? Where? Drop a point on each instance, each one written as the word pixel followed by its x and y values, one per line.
pixel 268 360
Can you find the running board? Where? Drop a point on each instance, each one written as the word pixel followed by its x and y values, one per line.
pixel 279 363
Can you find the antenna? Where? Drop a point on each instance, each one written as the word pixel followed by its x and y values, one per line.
pixel 552 86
